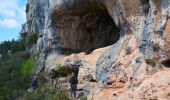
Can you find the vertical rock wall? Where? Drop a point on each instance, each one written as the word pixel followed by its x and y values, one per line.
pixel 148 37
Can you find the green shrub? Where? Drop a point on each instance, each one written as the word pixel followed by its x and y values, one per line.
pixel 27 8
pixel 47 95
pixel 64 71
pixel 35 96
pixel 151 62
pixel 41 78
pixel 31 39
pixel 28 66
pixel 62 95
pixel 83 98
pixel 156 47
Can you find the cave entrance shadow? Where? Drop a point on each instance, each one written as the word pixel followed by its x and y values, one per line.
pixel 166 63
pixel 101 30
pixel 92 30
pixel 65 71
pixel 79 89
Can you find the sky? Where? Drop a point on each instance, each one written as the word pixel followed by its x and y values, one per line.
pixel 12 16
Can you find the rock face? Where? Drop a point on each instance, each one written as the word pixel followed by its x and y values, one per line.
pixel 72 24
pixel 146 23
pixel 138 29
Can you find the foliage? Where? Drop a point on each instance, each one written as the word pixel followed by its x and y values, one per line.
pixel 41 79
pixel 12 82
pixel 18 46
pixel 83 98
pixel 44 91
pixel 151 62
pixel 27 8
pixel 41 95
pixel 28 66
pixel 15 69
pixel 13 46
pixel 156 47
pixel 31 39
pixel 62 95
pixel 64 71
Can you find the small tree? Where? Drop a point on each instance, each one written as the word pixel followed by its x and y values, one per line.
pixel 31 39
pixel 28 66
pixel 27 8
pixel 151 62
pixel 156 47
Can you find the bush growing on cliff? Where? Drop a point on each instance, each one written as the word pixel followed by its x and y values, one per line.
pixel 27 8
pixel 47 95
pixel 31 39
pixel 83 98
pixel 156 47
pixel 151 62
pixel 64 71
pixel 28 66
pixel 44 91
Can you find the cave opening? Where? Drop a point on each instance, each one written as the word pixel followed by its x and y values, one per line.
pixel 166 63
pixel 85 32
pixel 101 30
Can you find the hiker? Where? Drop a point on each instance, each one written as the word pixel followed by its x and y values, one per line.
pixel 34 85
pixel 73 84
pixel 53 76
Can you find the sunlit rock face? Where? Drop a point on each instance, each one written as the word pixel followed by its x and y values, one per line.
pixel 72 24
pixel 146 22
pixel 84 25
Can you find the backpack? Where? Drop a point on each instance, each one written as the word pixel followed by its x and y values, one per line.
pixel 73 80
pixel 53 74
pixel 34 83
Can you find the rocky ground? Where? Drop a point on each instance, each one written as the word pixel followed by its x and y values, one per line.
pixel 154 85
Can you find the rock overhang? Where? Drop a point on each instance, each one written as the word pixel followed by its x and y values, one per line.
pixel 84 25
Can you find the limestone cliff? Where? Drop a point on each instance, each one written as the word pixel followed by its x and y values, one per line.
pixel 136 29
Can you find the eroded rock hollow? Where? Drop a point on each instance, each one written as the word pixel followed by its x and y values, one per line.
pixel 87 31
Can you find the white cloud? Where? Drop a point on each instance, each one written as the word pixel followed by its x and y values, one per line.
pixel 9 23
pixel 12 13
pixel 7 13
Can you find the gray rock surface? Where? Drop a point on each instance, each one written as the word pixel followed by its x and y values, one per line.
pixel 106 61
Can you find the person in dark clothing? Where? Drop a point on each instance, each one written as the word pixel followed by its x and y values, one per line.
pixel 34 85
pixel 73 84
pixel 53 76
